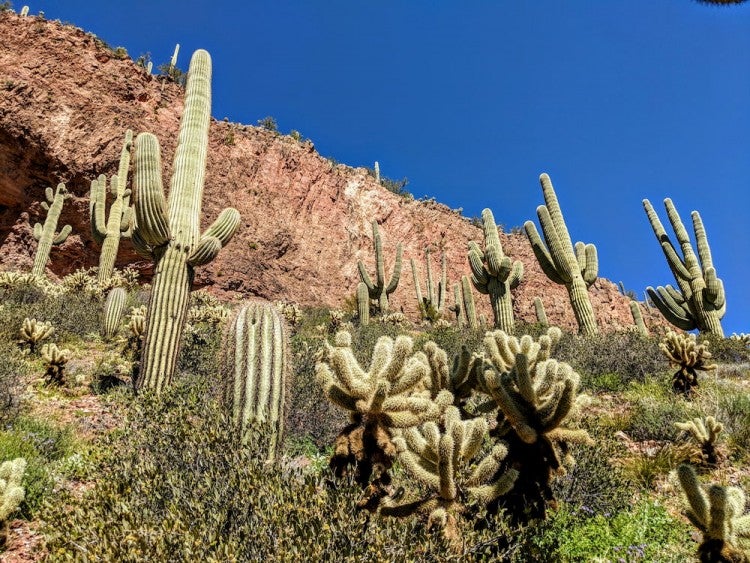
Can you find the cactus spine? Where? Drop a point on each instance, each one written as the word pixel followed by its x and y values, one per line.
pixel 575 267
pixel 46 234
pixel 107 232
pixel 379 290
pixel 11 492
pixel 363 304
pixel 432 304
pixel 256 367
pixel 114 307
pixel 172 235
pixel 494 274
pixel 635 310
pixel 541 315
pixel 700 302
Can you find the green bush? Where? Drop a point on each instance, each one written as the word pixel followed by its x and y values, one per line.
pixel 13 368
pixel 734 413
pixel 177 486
pixel 653 418
pixel 41 444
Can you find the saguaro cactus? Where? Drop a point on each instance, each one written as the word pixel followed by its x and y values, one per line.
pixel 635 310
pixel 363 304
pixel 171 235
pixel 700 302
pixel 46 234
pixel 575 267
pixel 256 366
pixel 541 314
pixel 379 290
pixel 431 304
pixel 114 307
pixel 107 232
pixel 494 274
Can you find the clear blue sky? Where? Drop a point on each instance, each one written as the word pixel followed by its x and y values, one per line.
pixel 472 100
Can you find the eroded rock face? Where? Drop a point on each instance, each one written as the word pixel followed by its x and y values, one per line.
pixel 65 103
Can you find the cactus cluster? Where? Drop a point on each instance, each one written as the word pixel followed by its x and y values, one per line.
pixel 432 303
pixel 256 367
pixel 169 232
pixel 463 305
pixel 698 301
pixel 683 351
pixel 718 515
pixel 45 234
pixel 107 231
pixel 55 360
pixel 11 492
pixel 706 433
pixel 575 267
pixel 32 332
pixel 495 274
pixel 379 290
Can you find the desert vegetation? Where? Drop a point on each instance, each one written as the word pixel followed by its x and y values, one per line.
pixel 155 422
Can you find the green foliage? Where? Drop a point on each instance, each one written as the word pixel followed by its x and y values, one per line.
pixel 269 124
pixel 41 444
pixel 13 370
pixel 653 417
pixel 173 74
pixel 734 412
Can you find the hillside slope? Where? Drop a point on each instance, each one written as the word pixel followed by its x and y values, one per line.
pixel 65 102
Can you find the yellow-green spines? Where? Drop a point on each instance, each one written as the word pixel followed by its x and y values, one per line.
pixel 432 303
pixel 699 300
pixel 107 232
pixel 32 332
pixel 706 432
pixel 718 515
pixel 169 231
pixel 575 267
pixel 46 234
pixel 363 304
pixel 541 315
pixel 114 307
pixel 379 290
pixel 11 492
pixel 684 352
pixel 256 367
pixel 55 360
pixel 493 273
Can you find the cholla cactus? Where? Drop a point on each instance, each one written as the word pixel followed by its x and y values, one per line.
pixel 706 433
pixel 291 312
pixel 494 274
pixel 683 351
pixel 717 513
pixel 742 337
pixel 82 281
pixel 380 290
pixel 33 331
pixel 55 359
pixel 699 302
pixel 46 234
pixel 432 303
pixel 574 266
pixel 377 400
pixel 137 321
pixel 11 492
pixel 534 395
pixel 440 457
pixel 395 319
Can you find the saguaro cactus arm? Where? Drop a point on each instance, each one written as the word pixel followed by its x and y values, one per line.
pixel 379 290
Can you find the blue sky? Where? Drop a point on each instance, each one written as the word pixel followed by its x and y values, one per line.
pixel 472 100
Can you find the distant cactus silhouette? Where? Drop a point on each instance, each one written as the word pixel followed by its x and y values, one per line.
pixel 379 290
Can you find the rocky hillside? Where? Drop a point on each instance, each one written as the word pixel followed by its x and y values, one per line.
pixel 66 100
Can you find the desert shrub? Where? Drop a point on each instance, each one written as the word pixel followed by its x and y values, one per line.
pixel 41 444
pixel 652 417
pixel 177 486
pixel 199 353
pixel 734 413
pixel 451 339
pixel 12 370
pixel 627 355
pixel 726 350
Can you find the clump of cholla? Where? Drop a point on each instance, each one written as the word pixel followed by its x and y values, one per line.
pixel 717 512
pixel 206 308
pixel 55 360
pixel 11 492
pixel 395 319
pixel 32 332
pixel 684 352
pixel 291 312
pixel 705 431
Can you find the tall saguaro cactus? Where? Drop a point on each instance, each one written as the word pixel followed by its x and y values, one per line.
pixel 431 304
pixel 494 274
pixel 256 366
pixel 380 290
pixel 575 267
pixel 46 234
pixel 700 302
pixel 171 235
pixel 108 231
